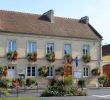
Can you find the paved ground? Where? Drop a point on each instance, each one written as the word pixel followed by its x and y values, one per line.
pixel 93 94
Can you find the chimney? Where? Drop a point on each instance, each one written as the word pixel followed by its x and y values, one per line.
pixel 49 15
pixel 84 20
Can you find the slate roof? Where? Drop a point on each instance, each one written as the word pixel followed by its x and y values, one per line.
pixel 27 23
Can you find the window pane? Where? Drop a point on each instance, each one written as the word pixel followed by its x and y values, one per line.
pixel 31 47
pixel 85 49
pixel 11 45
pixel 50 47
pixel 33 71
pixel 51 71
pixel 28 71
pixel 67 49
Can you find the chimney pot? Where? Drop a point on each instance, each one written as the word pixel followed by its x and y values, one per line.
pixel 84 20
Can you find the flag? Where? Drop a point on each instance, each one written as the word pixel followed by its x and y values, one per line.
pixel 76 60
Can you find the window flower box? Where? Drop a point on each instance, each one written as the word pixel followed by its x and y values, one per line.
pixel 86 58
pixel 32 56
pixel 68 58
pixel 12 55
pixel 50 57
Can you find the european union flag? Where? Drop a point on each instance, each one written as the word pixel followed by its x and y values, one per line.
pixel 76 60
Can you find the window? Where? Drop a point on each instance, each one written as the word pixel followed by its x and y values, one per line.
pixel 31 47
pixel 11 45
pixel 67 49
pixel 50 48
pixel 31 71
pixel 86 72
pixel 86 49
pixel 50 71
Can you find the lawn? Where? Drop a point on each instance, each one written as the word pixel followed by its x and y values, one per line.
pixel 19 98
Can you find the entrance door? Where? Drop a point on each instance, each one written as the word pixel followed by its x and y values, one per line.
pixel 11 71
pixel 106 71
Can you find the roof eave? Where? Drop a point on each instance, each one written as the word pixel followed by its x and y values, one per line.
pixel 95 31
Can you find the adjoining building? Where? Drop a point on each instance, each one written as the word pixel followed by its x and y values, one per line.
pixel 35 35
pixel 106 63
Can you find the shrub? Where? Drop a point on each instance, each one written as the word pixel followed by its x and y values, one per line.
pixel 1 71
pixel 102 79
pixel 81 83
pixel 60 71
pixel 4 83
pixel 54 91
pixel 73 91
pixel 68 80
pixel 31 81
pixel 21 81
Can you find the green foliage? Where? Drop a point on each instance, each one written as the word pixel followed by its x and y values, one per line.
pixel 31 81
pixel 4 83
pixel 50 57
pixel 42 71
pixel 53 82
pixel 21 81
pixel 19 98
pixel 60 71
pixel 68 80
pixel 102 79
pixel 5 92
pixel 73 91
pixel 54 91
pixel 12 55
pixel 9 55
pixel 95 71
pixel 81 83
pixel 68 58
pixel 32 56
pixel 1 70
pixel 86 58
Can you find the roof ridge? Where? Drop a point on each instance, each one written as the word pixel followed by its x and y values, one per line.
pixel 29 13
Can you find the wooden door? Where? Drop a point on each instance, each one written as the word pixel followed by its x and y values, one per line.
pixel 106 71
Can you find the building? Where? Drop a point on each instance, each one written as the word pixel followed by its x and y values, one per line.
pixel 28 33
pixel 106 63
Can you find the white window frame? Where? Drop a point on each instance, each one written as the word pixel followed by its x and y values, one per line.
pixel 50 71
pixel 31 42
pixel 31 70
pixel 86 72
pixel 86 47
pixel 49 48
pixel 70 49
pixel 11 49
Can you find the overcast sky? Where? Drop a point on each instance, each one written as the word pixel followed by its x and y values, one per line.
pixel 97 10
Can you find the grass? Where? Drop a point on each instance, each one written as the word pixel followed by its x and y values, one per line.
pixel 19 98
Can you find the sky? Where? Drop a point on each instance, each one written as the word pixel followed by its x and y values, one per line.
pixel 97 10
